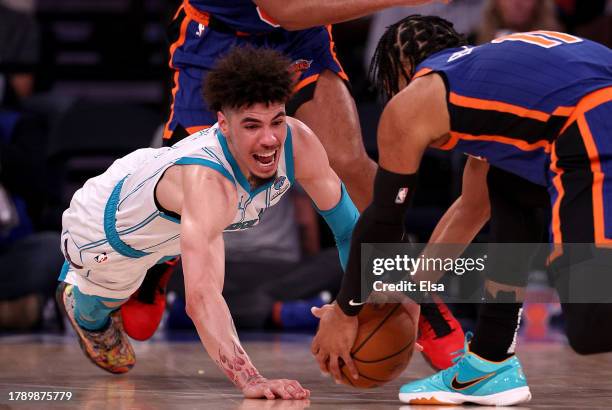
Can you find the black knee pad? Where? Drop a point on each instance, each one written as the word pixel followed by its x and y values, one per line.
pixel 588 327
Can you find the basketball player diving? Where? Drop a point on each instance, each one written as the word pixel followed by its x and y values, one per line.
pixel 535 105
pixel 154 204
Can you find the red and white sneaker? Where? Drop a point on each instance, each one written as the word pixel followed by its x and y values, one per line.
pixel 439 351
pixel 144 310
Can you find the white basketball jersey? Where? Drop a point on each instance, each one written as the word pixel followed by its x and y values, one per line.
pixel 115 214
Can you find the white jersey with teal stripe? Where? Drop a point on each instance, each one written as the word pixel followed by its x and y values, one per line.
pixel 114 231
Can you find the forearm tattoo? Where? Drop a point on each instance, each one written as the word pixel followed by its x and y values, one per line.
pixel 238 368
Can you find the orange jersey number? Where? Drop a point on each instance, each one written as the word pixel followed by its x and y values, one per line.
pixel 542 38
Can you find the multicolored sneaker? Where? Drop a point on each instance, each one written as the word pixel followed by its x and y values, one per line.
pixel 440 350
pixel 143 311
pixel 471 380
pixel 110 348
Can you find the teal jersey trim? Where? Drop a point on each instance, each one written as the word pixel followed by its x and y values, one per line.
pixel 244 183
pixel 64 271
pixel 142 224
pixel 230 158
pixel 110 229
pixel 342 219
pixel 206 163
pixel 289 156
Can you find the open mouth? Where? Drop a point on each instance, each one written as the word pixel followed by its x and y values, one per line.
pixel 266 159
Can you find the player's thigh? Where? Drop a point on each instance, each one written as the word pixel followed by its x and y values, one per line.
pixel 322 98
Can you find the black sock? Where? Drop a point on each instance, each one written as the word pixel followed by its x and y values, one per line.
pixel 431 312
pixel 496 329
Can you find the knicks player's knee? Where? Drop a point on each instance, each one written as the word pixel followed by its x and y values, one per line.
pixel 585 326
pixel 585 344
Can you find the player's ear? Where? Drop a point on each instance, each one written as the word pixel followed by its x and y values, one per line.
pixel 223 122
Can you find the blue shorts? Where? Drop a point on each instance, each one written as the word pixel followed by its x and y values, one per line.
pixel 196 44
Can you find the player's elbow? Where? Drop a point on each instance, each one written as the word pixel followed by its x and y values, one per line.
pixel 195 304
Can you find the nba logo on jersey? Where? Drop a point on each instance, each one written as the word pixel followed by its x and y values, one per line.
pixel 401 195
pixel 101 257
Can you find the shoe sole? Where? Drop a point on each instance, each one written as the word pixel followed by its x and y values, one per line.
pixel 506 398
pixel 59 297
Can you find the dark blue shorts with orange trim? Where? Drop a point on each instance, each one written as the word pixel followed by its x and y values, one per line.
pixel 195 48
pixel 581 174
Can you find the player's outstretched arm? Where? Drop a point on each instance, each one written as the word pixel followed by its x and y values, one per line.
pixel 208 206
pixel 313 172
pixel 463 219
pixel 413 120
pixel 303 14
pixel 468 214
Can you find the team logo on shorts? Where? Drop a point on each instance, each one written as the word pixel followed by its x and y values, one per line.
pixel 298 67
pixel 401 195
pixel 102 257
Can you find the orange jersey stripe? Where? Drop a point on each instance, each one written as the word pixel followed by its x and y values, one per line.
pixel 556 218
pixel 598 179
pixel 196 15
pixel 480 104
pixel 520 144
pixel 342 74
pixel 588 103
pixel 422 72
pixel 308 80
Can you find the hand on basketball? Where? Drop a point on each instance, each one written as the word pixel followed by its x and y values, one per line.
pixel 334 341
pixel 275 388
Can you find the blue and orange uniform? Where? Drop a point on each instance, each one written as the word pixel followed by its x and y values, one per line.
pixel 538 105
pixel 203 30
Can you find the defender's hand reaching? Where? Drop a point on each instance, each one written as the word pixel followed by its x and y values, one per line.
pixel 334 340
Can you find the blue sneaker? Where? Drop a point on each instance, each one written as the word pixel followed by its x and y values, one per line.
pixel 471 379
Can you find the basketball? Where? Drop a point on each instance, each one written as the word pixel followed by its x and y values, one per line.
pixel 384 344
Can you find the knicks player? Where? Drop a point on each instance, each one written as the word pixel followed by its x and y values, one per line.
pixel 537 105
pixel 201 32
pixel 154 204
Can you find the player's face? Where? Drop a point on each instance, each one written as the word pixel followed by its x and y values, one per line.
pixel 255 136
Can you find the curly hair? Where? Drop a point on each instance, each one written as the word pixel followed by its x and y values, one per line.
pixel 247 76
pixel 407 43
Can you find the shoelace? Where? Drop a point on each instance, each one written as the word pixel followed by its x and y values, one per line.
pixel 460 354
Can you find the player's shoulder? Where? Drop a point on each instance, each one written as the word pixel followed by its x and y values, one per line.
pixel 301 134
pixel 423 93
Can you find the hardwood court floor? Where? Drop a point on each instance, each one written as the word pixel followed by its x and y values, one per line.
pixel 179 375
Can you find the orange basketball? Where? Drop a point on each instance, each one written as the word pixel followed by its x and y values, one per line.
pixel 384 344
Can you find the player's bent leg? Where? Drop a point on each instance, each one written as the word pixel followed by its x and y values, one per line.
pixel 587 326
pixel 472 379
pixel 99 328
pixel 332 115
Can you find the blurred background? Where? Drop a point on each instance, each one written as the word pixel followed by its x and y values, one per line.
pixel 83 82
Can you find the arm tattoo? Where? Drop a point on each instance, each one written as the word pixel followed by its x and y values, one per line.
pixel 238 368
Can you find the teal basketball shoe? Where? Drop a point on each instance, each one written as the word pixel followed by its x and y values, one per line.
pixel 471 379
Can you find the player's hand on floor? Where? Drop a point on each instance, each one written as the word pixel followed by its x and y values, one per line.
pixel 275 388
pixel 334 341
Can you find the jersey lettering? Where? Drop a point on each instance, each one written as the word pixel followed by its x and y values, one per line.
pixel 542 38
